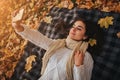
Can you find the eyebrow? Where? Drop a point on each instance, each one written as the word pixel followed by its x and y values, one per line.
pixel 80 26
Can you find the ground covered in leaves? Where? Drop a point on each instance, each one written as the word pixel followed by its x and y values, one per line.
pixel 12 45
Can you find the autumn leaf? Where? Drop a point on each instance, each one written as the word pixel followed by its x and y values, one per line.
pixel 29 60
pixel 9 73
pixel 105 22
pixel 71 5
pixel 66 4
pixel 48 19
pixel 106 9
pixel 117 8
pixel 92 42
pixel 31 4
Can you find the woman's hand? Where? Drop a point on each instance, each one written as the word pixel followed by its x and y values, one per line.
pixel 17 24
pixel 79 58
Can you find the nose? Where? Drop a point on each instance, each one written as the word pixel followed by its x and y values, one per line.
pixel 74 28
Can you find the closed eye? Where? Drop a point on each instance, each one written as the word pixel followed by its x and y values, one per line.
pixel 78 28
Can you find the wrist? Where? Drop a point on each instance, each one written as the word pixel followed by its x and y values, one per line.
pixel 78 64
pixel 18 27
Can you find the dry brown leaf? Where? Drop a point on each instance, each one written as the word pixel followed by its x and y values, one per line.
pixel 117 8
pixel 66 4
pixel 106 9
pixel 9 73
pixel 29 60
pixel 47 19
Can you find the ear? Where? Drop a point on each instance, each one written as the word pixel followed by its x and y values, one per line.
pixel 85 37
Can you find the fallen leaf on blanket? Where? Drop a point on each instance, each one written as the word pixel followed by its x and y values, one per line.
pixel 47 19
pixel 92 42
pixel 118 34
pixel 29 60
pixel 105 22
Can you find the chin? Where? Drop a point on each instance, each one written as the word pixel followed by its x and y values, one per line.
pixel 76 39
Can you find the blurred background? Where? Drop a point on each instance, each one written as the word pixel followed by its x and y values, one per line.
pixel 12 45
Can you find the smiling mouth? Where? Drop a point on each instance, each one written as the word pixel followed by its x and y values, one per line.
pixel 73 33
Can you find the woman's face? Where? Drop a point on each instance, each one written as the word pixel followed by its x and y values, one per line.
pixel 77 32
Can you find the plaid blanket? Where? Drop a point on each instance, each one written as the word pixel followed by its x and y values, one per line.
pixel 106 53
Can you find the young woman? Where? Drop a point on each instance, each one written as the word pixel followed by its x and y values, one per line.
pixel 65 59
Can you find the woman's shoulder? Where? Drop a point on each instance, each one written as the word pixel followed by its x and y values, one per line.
pixel 88 56
pixel 88 53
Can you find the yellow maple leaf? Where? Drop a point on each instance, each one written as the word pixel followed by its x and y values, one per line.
pixel 109 20
pixel 105 22
pixel 48 19
pixel 29 60
pixel 92 42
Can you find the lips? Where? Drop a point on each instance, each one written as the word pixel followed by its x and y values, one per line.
pixel 73 33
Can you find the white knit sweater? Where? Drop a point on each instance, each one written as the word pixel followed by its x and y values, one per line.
pixel 56 67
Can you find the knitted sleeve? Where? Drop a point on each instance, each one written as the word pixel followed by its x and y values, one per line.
pixel 84 71
pixel 35 37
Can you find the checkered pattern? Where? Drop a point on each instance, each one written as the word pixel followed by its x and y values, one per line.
pixel 106 54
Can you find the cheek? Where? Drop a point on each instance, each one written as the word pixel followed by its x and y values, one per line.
pixel 80 35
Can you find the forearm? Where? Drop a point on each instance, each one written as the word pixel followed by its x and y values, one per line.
pixel 34 36
pixel 79 72
pixel 84 72
pixel 18 27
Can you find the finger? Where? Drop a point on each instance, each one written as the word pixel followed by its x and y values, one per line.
pixel 80 51
pixel 15 13
pixel 77 53
pixel 82 54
